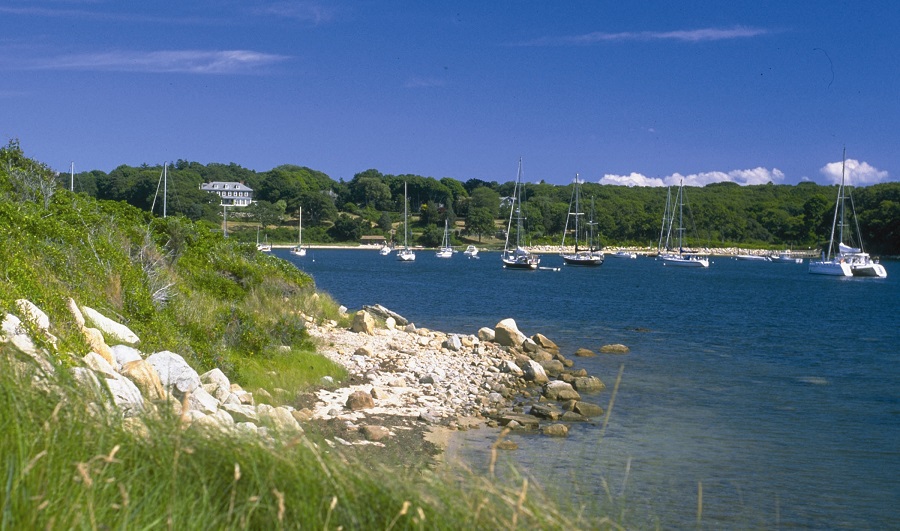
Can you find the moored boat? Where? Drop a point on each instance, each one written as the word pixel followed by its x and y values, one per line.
pixel 842 259
pixel 666 253
pixel 515 256
pixel 405 254
pixel 579 257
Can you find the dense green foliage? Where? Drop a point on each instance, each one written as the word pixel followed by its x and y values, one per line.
pixel 177 284
pixel 723 214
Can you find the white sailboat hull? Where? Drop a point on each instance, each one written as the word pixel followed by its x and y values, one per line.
pixel 684 261
pixel 835 268
pixel 444 253
pixel 406 255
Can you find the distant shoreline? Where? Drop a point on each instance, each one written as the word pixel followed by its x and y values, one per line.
pixel 551 249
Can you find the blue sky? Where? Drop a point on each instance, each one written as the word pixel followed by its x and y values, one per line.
pixel 617 92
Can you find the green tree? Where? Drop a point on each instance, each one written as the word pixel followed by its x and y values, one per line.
pixel 432 236
pixel 346 228
pixel 266 213
pixel 480 221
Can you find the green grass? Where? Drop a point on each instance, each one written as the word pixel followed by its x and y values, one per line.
pixel 68 466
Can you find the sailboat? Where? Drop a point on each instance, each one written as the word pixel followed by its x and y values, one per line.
pixel 299 250
pixel 583 257
pixel 666 254
pixel 405 254
pixel 445 251
pixel 845 260
pixel 264 247
pixel 516 257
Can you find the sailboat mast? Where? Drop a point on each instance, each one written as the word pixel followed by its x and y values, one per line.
pixel 577 209
pixel 165 185
pixel 72 177
pixel 841 195
pixel 405 217
pixel 838 207
pixel 519 224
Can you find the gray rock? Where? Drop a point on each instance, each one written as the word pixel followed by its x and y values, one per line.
pixel 452 343
pixel 508 366
pixel 360 400
pixel 124 353
pixel 545 343
pixel 174 373
pixel 553 368
pixel 588 384
pixel 384 313
pixel 110 328
pixel 278 419
pixel 374 433
pixel 556 430
pixel 486 334
pixel 616 348
pixel 545 411
pixel 363 323
pixel 33 314
pixel 587 409
pixel 126 396
pixel 527 421
pixel 533 372
pixel 584 353
pixel 200 400
pixel 507 334
pixel 217 378
pixel 145 378
pixel 557 390
pixel 241 413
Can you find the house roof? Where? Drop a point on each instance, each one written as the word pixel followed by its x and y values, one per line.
pixel 225 185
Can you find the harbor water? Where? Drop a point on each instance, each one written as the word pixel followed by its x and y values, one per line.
pixel 754 394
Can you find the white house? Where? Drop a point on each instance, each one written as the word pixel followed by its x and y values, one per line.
pixel 232 194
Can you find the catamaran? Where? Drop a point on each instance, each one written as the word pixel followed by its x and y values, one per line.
pixel 845 260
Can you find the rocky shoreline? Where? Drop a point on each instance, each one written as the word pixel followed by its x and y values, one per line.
pixel 444 382
pixel 407 387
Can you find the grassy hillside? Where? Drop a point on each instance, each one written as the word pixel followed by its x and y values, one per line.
pixel 218 303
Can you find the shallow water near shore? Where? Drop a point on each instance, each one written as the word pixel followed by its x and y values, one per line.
pixel 772 390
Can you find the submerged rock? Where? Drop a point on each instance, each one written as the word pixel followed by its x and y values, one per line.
pixel 616 348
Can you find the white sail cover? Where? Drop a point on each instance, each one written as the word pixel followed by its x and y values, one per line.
pixel 847 249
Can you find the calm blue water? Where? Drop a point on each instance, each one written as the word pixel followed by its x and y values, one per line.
pixel 776 391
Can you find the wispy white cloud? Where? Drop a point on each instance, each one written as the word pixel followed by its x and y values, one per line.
pixel 105 16
pixel 303 11
pixel 741 177
pixel 857 173
pixel 695 35
pixel 183 61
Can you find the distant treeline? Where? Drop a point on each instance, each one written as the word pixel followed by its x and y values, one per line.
pixel 721 214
